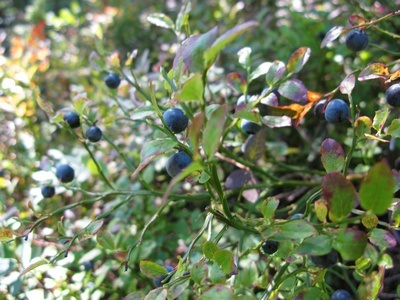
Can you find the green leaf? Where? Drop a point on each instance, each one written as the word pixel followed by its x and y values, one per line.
pixel 275 72
pixel 396 215
pixel 183 16
pixel 382 238
pixel 394 128
pixel 224 258
pixel 151 269
pixel 91 230
pixel 134 296
pixel 370 221
pixel 372 285
pixel 157 147
pixel 199 272
pixel 340 195
pixel 244 57
pixel 33 266
pixel 254 147
pixel 106 240
pixel 332 155
pixel 294 89
pixel 213 131
pixel 219 292
pixel 248 276
pixel 321 210
pixel 376 191
pixel 298 59
pixel 221 42
pixel 269 207
pixel 6 235
pixel 142 112
pixel 350 243
pixel 216 274
pixel 295 230
pixel 209 248
pixel 192 89
pixel 363 263
pixel 161 20
pixel 316 245
pixel 362 126
pixel 260 70
pixel 380 119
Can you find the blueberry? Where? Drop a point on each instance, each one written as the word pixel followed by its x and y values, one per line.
pixel 65 173
pixel 175 119
pixel 270 247
pixel 72 118
pixel 177 163
pixel 296 216
pixel 250 127
pixel 337 111
pixel 158 280
pixel 88 265
pixel 341 295
pixel 112 80
pixel 319 110
pixel 48 191
pixel 325 261
pixel 94 134
pixel 357 40
pixel 393 95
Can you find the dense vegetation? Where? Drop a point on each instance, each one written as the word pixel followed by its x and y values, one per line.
pixel 199 149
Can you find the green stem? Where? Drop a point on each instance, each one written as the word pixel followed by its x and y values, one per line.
pixel 273 285
pixel 354 138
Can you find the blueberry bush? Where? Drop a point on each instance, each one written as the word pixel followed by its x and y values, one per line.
pixel 199 150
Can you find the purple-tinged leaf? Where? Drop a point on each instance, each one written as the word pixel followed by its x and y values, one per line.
pixel 396 177
pixel 298 59
pixel 251 195
pixel 374 71
pixel 332 35
pixel 222 41
pixel 275 72
pixel 194 133
pixel 294 89
pixel 382 238
pixel 348 84
pixel 376 191
pixel 237 179
pixel 356 20
pixel 237 82
pixel 254 147
pixel 350 243
pixel 332 155
pixel 340 195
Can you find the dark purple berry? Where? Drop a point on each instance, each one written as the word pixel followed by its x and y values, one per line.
pixel 48 191
pixel 158 280
pixel 270 247
pixel 393 95
pixel 357 40
pixel 112 80
pixel 341 295
pixel 72 118
pixel 175 119
pixel 337 111
pixel 94 134
pixel 65 173
pixel 177 162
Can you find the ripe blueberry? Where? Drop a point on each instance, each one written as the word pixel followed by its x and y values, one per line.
pixel 65 173
pixel 318 110
pixel 250 127
pixel 270 247
pixel 337 111
pixel 112 80
pixel 72 118
pixel 341 295
pixel 325 261
pixel 393 95
pixel 357 40
pixel 158 280
pixel 94 134
pixel 177 162
pixel 48 191
pixel 175 119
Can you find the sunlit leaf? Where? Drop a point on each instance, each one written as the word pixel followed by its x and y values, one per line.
pixel 370 221
pixel 183 16
pixel 362 126
pixel 254 147
pixel 142 112
pixel 91 230
pixel 356 20
pixel 394 128
pixel 194 133
pixel 33 266
pixel 315 245
pixel 294 230
pixel 275 72
pixel 269 207
pixel 374 71
pixel 298 59
pixel 157 146
pixel 350 243
pixel 348 84
pixel 275 121
pixel 340 195
pixel 294 89
pixel 331 35
pixel 226 38
pixel 376 191
pixel 332 155
pixel 382 238
pixel 260 70
pixel 321 210
pixel 224 258
pixel 152 270
pixel 244 57
pixel 6 235
pixel 237 82
pixel 161 20
pixel 380 119
pixel 209 248
pixel 192 89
